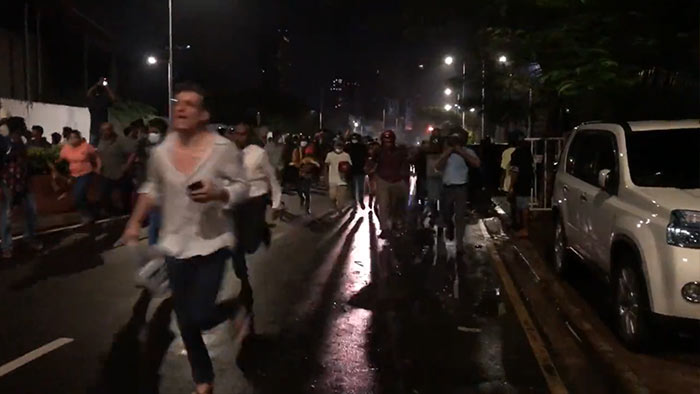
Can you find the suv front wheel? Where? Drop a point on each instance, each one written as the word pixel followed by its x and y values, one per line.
pixel 632 313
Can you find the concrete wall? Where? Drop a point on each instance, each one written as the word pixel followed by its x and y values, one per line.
pixel 52 117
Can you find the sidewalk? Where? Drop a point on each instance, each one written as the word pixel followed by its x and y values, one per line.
pixel 320 205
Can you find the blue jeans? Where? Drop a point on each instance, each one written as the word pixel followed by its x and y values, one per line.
pixel 358 187
pixel 154 219
pixel 80 191
pixel 195 285
pixel 29 206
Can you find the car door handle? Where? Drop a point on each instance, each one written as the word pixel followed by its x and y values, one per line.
pixel 584 198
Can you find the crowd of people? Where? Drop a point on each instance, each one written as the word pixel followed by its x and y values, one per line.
pixel 206 195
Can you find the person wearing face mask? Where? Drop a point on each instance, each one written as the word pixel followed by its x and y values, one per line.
pixel 338 167
pixel 157 128
pixel 358 154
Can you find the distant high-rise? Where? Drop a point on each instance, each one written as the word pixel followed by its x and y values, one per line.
pixel 275 60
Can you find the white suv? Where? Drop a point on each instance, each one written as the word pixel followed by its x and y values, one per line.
pixel 627 199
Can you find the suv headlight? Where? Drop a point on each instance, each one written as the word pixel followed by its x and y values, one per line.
pixel 684 229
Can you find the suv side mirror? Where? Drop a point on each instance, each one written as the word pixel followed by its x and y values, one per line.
pixel 604 180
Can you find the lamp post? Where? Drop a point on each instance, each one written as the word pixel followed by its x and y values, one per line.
pixel 170 60
pixel 449 60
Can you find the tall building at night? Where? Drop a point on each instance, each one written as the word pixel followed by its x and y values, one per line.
pixel 275 60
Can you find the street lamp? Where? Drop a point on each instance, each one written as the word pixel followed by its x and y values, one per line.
pixel 448 107
pixel 448 91
pixel 503 59
pixel 449 60
pixel 472 109
pixel 151 60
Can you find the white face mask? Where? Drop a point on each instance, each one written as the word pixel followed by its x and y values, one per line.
pixel 153 138
pixel 303 144
pixel 338 150
pixel 355 141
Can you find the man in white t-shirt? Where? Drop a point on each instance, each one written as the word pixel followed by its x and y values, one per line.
pixel 339 164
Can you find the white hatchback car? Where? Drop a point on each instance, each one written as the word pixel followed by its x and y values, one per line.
pixel 627 199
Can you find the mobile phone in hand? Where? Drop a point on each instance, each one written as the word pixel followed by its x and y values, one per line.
pixel 195 186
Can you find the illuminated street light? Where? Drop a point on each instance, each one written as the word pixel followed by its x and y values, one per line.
pixel 421 66
pixel 449 60
pixel 151 60
pixel 472 109
pixel 431 128
pixel 356 124
pixel 448 107
pixel 448 91
pixel 503 59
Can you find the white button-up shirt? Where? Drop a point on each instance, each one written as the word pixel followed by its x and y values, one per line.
pixel 261 175
pixel 189 228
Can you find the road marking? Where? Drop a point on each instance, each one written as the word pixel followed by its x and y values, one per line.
pixel 537 277
pixel 549 371
pixel 33 355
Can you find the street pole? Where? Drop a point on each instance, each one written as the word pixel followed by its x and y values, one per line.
pixel 529 112
pixel 170 60
pixel 483 97
pixel 464 94
pixel 27 72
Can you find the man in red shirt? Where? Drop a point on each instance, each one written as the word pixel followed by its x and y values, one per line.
pixel 391 168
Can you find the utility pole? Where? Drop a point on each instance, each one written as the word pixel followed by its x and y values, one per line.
pixel 170 60
pixel 483 97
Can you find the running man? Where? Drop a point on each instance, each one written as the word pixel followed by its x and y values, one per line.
pixel 196 175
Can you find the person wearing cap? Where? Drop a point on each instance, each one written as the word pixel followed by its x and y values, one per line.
pixel 392 171
pixel 338 162
pixel 454 164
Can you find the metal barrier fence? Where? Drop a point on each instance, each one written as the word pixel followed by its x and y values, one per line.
pixel 546 153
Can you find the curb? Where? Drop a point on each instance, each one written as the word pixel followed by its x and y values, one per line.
pixel 597 347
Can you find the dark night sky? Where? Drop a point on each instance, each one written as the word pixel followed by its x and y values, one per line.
pixel 329 38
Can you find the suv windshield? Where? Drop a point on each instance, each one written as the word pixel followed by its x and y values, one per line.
pixel 665 158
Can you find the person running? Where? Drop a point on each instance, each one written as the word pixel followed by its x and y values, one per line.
pixel 249 216
pixel 521 173
pixel 337 183
pixel 14 184
pixel 157 128
pixel 454 164
pixel 358 155
pixel 308 171
pixel 196 175
pixel 372 150
pixel 392 172
pixel 117 154
pixel 83 163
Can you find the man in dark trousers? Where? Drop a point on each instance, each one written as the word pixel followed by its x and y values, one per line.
pixel 454 163
pixel 358 155
pixel 521 170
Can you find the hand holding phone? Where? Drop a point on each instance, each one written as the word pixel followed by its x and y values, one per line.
pixel 195 186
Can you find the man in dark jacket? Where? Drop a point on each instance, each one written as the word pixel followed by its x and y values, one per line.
pixel 358 154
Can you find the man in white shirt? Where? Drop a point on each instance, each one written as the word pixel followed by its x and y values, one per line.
pixel 337 184
pixel 195 175
pixel 249 217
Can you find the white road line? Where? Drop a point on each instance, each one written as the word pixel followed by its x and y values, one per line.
pixel 33 355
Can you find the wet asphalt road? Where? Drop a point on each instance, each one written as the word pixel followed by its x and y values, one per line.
pixel 336 311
